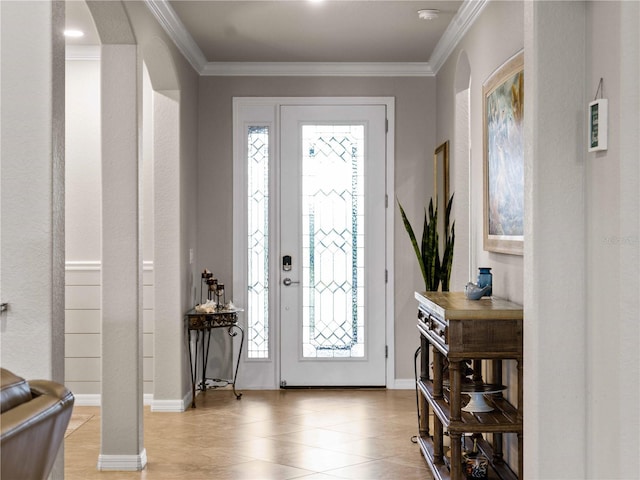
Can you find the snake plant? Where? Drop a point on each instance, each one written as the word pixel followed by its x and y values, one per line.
pixel 434 271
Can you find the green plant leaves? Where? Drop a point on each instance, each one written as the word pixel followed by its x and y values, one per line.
pixel 414 242
pixel 434 271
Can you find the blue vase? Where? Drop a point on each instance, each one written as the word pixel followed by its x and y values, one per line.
pixel 485 278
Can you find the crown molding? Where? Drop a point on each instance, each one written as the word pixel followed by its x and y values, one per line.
pixel 458 27
pixel 176 30
pixel 317 69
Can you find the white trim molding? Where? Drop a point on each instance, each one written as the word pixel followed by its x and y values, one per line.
pixel 318 69
pixel 83 266
pixel 129 463
pixel 170 406
pixel 173 26
pixel 458 27
pixel 82 52
pixel 88 399
pixel 402 384
pixel 96 265
pixel 95 400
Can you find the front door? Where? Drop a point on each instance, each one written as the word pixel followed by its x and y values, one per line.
pixel 332 245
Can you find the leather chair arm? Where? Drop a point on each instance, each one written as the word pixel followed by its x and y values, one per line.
pixel 35 426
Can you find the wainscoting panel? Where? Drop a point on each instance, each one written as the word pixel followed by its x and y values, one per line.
pixel 83 321
pixel 82 369
pixel 148 321
pixel 83 327
pixel 82 297
pixel 84 345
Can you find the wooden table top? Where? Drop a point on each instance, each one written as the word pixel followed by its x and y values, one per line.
pixel 455 306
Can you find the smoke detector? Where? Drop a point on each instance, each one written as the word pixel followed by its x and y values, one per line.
pixel 428 14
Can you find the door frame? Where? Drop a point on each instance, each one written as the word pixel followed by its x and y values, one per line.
pixel 265 373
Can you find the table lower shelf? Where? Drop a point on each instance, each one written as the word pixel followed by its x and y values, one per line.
pixel 503 419
pixel 440 470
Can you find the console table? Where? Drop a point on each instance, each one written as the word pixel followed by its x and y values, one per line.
pixel 201 325
pixel 456 331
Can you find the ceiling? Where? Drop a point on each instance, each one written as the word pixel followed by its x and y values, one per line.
pixel 233 36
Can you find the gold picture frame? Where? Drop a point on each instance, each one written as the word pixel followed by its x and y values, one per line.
pixel 503 162
pixel 441 184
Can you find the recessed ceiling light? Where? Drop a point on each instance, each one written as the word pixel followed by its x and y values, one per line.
pixel 428 14
pixel 73 33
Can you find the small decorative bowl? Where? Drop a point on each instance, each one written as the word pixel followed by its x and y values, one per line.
pixel 474 292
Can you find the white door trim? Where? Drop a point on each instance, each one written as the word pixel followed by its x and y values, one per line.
pixel 265 374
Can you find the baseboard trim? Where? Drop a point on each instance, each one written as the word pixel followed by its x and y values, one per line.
pixel 129 463
pixel 170 406
pixel 87 399
pixel 95 399
pixel 402 384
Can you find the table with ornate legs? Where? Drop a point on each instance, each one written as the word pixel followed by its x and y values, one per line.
pixel 202 324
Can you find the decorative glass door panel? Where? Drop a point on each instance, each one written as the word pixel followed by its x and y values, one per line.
pixel 332 244
pixel 332 217
pixel 258 242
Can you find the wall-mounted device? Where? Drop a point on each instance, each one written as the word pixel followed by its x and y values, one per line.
pixel 598 121
pixel 598 125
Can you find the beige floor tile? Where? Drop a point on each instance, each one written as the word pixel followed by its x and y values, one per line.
pixel 380 469
pixel 282 434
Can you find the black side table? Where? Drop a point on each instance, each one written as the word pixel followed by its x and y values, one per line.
pixel 201 324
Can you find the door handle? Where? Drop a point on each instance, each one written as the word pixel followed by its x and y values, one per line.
pixel 287 281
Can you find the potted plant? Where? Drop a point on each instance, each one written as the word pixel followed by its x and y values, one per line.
pixel 436 272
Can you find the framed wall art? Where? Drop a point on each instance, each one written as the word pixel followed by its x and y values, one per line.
pixel 503 125
pixel 441 186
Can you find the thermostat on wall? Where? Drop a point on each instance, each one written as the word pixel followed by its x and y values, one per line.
pixel 598 123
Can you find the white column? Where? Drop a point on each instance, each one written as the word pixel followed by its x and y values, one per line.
pixel 555 404
pixel 122 382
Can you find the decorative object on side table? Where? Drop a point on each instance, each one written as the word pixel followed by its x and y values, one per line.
pixel 216 296
pixel 484 288
pixel 474 464
pixel 476 392
pixel 474 292
pixel 485 279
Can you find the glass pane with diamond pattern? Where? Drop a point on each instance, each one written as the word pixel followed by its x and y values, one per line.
pixel 333 241
pixel 258 242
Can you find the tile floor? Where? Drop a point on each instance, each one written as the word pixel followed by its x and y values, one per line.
pixel 284 434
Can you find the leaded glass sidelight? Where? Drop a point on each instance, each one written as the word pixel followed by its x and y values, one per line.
pixel 333 241
pixel 258 242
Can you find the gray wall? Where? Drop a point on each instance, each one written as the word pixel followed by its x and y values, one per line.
pixel 613 240
pixel 494 37
pixel 415 142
